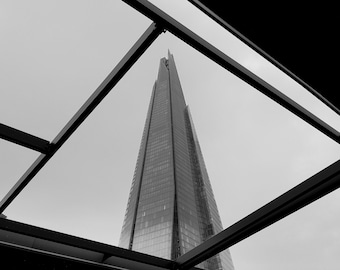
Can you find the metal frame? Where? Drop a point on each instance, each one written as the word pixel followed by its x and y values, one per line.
pixel 27 236
pixel 24 139
pixel 310 190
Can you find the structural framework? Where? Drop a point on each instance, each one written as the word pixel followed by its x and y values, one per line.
pixel 26 246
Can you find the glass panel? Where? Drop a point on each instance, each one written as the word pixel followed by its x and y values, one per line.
pixel 83 189
pixel 254 150
pixel 199 23
pixel 55 54
pixel 307 239
pixel 252 147
pixel 14 161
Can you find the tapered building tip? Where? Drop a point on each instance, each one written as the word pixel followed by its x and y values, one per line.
pixel 169 53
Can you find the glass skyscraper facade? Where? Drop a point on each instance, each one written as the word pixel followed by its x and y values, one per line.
pixel 171 207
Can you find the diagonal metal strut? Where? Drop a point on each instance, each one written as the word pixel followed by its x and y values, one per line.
pixel 57 244
pixel 103 89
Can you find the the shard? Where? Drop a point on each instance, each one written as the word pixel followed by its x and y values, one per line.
pixel 171 207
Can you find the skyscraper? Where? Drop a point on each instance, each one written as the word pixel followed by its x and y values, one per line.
pixel 171 207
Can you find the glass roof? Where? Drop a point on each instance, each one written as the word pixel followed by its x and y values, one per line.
pixel 253 148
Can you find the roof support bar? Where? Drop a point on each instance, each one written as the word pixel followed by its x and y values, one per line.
pixel 60 243
pixel 303 194
pixel 24 139
pixel 226 62
pixel 104 88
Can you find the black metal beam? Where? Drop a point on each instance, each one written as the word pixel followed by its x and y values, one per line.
pixel 226 62
pixel 303 194
pixel 21 257
pixel 104 88
pixel 24 139
pixel 122 256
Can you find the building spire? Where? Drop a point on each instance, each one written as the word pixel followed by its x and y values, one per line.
pixel 171 208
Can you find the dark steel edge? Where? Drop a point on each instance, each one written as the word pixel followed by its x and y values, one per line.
pixel 61 238
pixel 43 256
pixel 24 139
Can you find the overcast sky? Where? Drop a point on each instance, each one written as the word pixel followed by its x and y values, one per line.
pixel 53 55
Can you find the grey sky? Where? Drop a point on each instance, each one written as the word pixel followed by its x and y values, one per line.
pixel 53 55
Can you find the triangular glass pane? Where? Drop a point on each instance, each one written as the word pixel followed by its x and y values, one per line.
pixel 55 54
